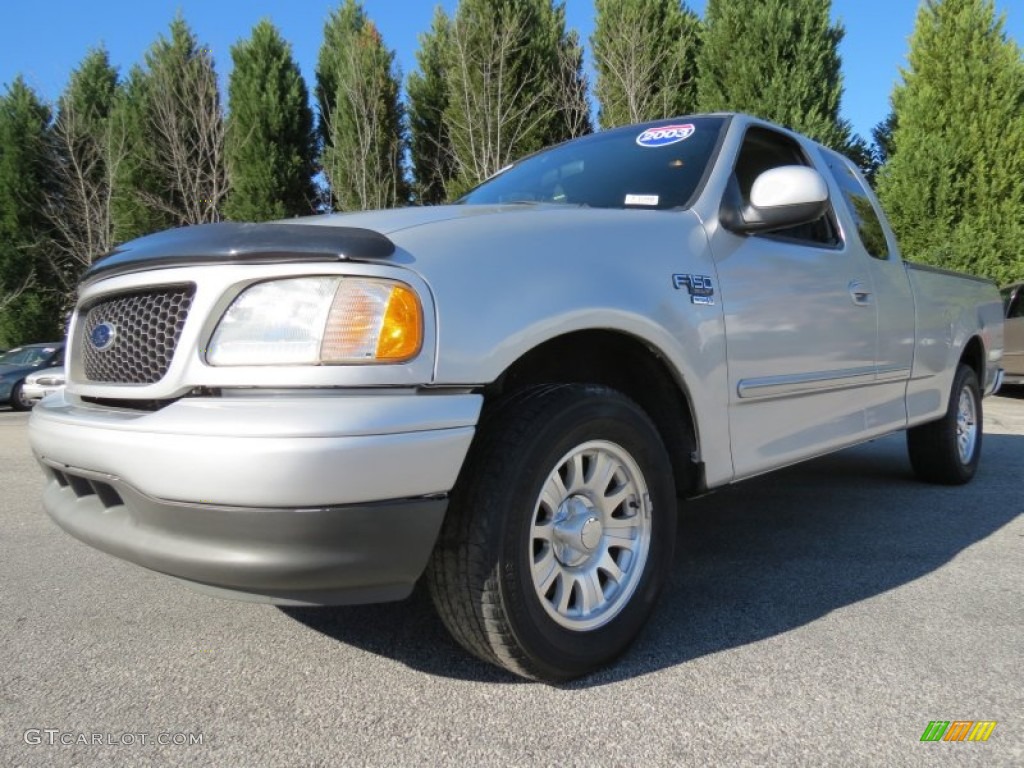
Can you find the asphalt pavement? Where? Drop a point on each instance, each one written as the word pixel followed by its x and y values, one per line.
pixel 823 615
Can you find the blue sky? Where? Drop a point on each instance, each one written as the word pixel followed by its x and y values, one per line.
pixel 45 39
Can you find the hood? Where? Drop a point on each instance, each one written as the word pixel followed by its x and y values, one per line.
pixel 360 236
pixel 392 235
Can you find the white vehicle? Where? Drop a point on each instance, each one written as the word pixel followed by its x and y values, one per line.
pixel 508 395
pixel 42 383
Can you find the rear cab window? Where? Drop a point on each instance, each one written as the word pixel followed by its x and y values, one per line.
pixel 859 205
pixel 1013 302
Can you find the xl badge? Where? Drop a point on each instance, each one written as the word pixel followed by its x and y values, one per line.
pixel 702 290
pixel 102 336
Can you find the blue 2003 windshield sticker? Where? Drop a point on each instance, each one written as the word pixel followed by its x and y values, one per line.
pixel 664 135
pixel 700 287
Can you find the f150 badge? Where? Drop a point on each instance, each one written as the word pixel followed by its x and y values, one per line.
pixel 702 290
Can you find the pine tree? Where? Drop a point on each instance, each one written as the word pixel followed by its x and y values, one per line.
pixel 175 173
pixel 429 142
pixel 954 185
pixel 29 305
pixel 361 131
pixel 645 53
pixel 881 136
pixel 270 142
pixel 87 149
pixel 514 84
pixel 777 59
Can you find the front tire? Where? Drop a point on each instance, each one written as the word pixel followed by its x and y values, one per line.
pixel 947 451
pixel 18 401
pixel 559 535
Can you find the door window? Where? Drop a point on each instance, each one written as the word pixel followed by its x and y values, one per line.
pixel 764 149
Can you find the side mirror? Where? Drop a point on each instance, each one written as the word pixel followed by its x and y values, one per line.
pixel 782 197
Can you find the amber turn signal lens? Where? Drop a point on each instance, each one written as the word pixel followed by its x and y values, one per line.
pixel 401 333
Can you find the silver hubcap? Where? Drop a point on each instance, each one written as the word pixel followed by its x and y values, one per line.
pixel 590 535
pixel 966 425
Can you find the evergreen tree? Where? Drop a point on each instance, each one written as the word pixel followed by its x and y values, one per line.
pixel 514 84
pixel 777 59
pixel 174 131
pixel 882 135
pixel 270 144
pixel 430 144
pixel 87 150
pixel 29 306
pixel 645 53
pixel 360 127
pixel 954 185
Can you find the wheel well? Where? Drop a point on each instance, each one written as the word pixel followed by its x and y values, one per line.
pixel 628 365
pixel 974 356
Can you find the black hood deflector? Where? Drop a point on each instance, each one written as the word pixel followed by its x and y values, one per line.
pixel 230 243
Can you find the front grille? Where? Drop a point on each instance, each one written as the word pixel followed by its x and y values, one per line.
pixel 146 326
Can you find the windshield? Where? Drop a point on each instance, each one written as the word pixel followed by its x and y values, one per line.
pixel 26 356
pixel 657 166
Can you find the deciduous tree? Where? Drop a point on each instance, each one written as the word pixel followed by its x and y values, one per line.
pixel 87 148
pixel 645 53
pixel 361 117
pixel 514 84
pixel 175 171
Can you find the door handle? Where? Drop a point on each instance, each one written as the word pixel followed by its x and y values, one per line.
pixel 860 295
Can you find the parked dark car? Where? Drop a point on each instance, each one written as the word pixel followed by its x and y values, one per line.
pixel 18 363
pixel 1013 330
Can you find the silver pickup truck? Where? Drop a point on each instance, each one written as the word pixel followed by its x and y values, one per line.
pixel 507 396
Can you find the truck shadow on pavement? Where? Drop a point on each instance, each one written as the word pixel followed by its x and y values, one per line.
pixel 752 561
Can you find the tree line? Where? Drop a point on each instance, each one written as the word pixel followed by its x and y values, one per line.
pixel 117 156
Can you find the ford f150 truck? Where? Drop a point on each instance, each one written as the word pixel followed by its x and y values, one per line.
pixel 509 395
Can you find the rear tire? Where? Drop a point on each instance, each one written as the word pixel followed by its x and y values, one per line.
pixel 947 451
pixel 559 535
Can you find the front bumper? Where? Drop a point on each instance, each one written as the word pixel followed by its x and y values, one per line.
pixel 289 498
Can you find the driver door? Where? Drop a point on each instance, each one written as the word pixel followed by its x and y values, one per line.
pixel 801 327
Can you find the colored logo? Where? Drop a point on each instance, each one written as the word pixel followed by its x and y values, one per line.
pixel 102 336
pixel 958 730
pixel 663 135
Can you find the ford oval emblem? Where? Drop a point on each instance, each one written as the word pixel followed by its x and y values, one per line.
pixel 102 336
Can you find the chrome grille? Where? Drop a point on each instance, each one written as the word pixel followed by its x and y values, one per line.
pixel 146 328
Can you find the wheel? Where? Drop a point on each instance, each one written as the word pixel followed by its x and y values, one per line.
pixel 18 401
pixel 559 534
pixel 947 451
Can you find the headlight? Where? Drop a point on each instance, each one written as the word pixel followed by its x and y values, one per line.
pixel 319 320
